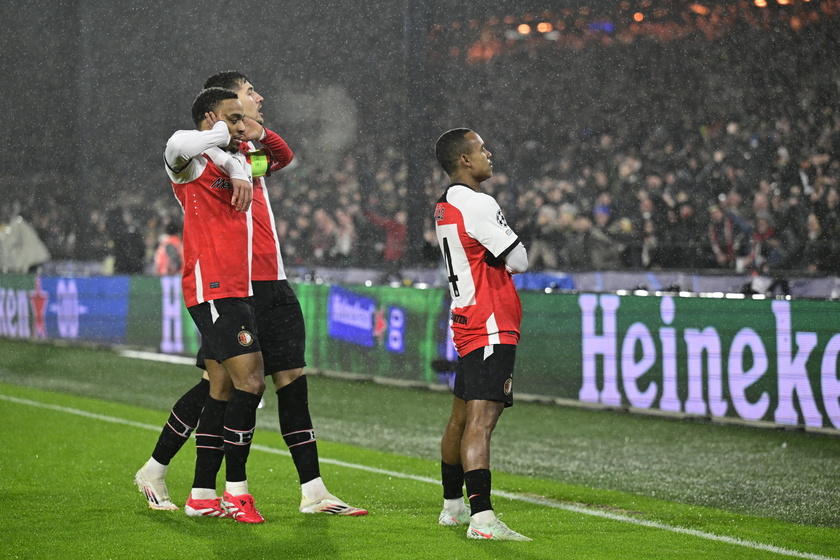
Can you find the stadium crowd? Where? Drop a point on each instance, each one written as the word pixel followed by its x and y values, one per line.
pixel 696 151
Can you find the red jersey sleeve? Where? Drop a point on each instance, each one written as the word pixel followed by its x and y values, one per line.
pixel 281 153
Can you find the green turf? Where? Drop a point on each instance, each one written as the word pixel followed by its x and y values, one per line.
pixel 69 476
pixel 70 486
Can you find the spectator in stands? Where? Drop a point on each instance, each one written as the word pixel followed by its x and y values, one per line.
pixel 687 237
pixel 546 240
pixel 743 123
pixel 651 249
pixel 345 239
pixel 395 228
pixel 93 240
pixel 817 252
pixel 765 243
pixel 729 238
pixel 733 205
pixel 760 203
pixel 169 254
pixel 298 247
pixel 827 211
pixel 589 248
pixel 608 255
pixel 324 232
pixel 127 243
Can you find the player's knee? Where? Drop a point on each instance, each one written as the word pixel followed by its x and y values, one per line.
pixel 283 378
pixel 223 393
pixel 251 384
pixel 485 423
pixel 258 385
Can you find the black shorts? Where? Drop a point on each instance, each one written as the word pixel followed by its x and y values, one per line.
pixel 280 325
pixel 490 379
pixel 228 327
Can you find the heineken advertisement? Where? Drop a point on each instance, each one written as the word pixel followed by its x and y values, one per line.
pixel 757 360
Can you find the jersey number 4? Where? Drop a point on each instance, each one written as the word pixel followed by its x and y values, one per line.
pixel 452 278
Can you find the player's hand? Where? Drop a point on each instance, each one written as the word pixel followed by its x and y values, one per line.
pixel 493 261
pixel 253 129
pixel 211 118
pixel 243 193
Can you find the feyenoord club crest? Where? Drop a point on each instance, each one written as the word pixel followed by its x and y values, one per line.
pixel 508 385
pixel 245 338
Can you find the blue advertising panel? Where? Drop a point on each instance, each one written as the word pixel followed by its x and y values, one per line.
pixel 87 308
pixel 350 317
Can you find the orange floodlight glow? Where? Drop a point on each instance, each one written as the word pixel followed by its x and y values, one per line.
pixel 638 16
pixel 524 29
pixel 544 27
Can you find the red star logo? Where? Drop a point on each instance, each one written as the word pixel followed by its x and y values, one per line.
pixel 38 300
pixel 379 324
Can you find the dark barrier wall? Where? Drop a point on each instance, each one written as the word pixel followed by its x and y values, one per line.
pixel 767 360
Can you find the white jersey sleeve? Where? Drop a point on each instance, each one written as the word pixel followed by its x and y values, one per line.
pixel 184 146
pixel 485 222
pixel 516 260
pixel 232 164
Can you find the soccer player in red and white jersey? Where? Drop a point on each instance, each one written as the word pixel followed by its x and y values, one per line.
pixel 282 338
pixel 282 332
pixel 480 253
pixel 211 180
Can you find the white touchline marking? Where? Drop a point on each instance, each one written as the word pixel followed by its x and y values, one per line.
pixel 156 357
pixel 546 502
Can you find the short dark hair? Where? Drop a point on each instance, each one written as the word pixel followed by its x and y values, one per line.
pixel 208 100
pixel 229 79
pixel 449 148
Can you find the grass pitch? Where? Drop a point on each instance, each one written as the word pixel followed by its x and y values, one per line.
pixel 582 484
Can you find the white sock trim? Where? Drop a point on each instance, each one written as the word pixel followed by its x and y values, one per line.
pixel 455 506
pixel 314 490
pixel 203 494
pixel 154 470
pixel 484 517
pixel 237 488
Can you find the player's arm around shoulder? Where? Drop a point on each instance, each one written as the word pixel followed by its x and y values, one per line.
pixel 185 145
pixel 234 166
pixel 281 153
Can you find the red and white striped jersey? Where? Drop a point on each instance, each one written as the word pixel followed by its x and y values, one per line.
pixel 485 306
pixel 217 238
pixel 267 261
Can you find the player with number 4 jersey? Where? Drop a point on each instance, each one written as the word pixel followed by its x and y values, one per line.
pixel 473 234
pixel 480 253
